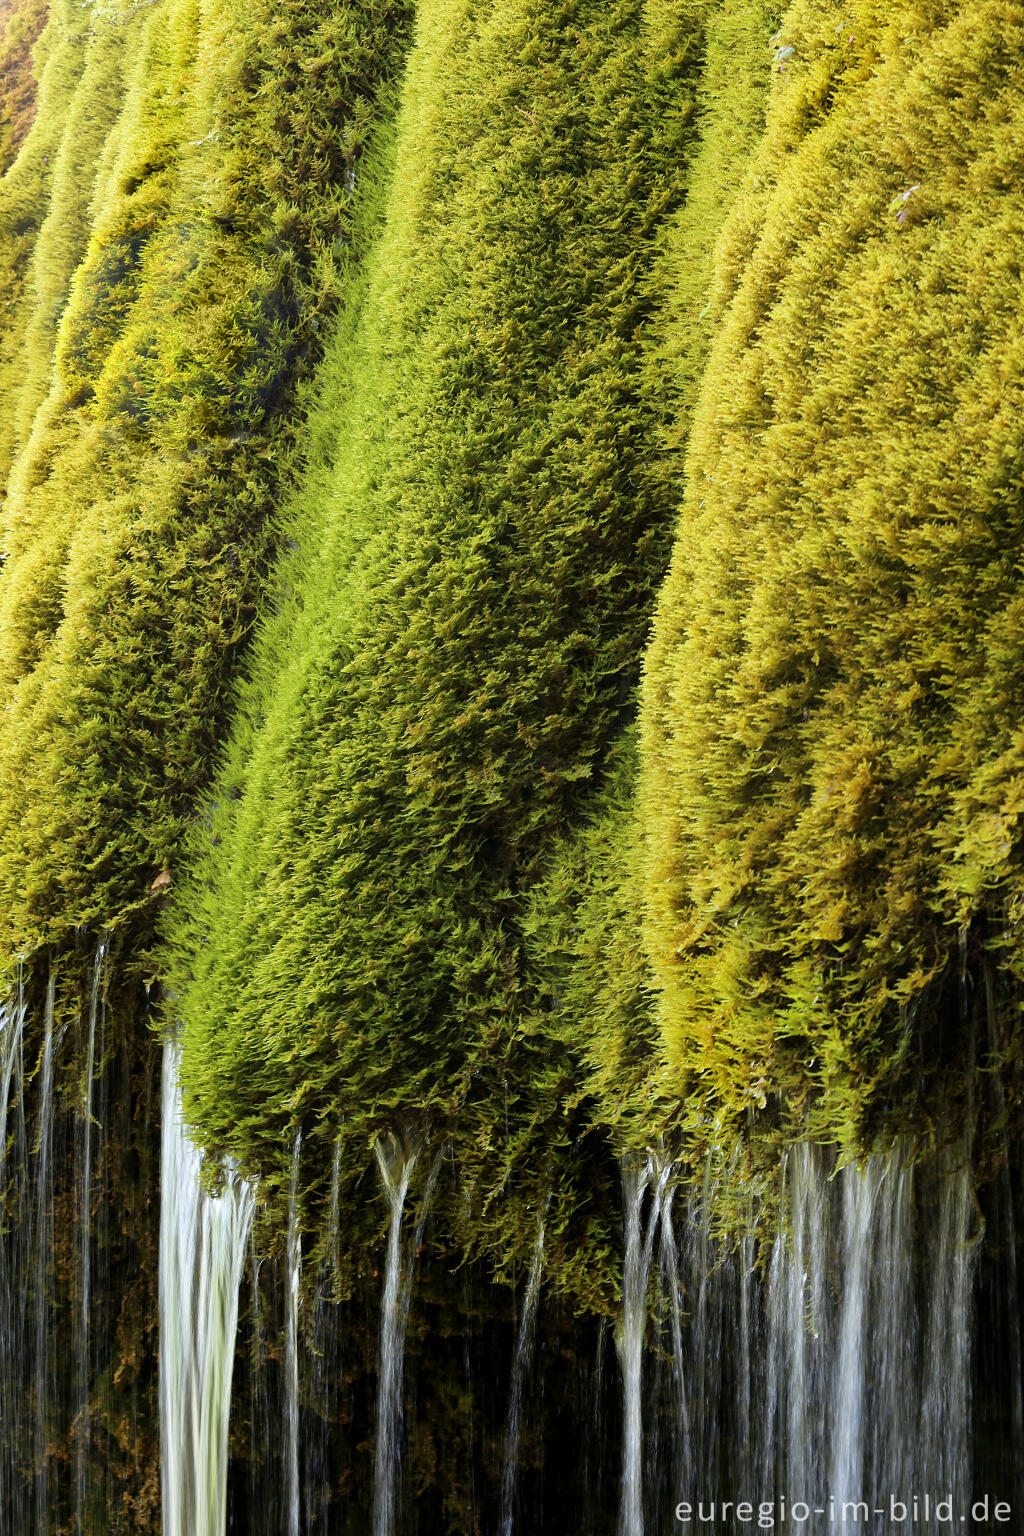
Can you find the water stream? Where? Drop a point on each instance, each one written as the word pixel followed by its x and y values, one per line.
pixel 293 1272
pixel 85 1235
pixel 829 1359
pixel 637 1174
pixel 43 1265
pixel 520 1367
pixel 396 1160
pixel 203 1241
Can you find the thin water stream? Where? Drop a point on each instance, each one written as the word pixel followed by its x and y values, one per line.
pixel 203 1241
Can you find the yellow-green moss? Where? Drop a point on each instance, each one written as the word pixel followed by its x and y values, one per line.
pixel 460 627
pixel 832 744
pixel 172 228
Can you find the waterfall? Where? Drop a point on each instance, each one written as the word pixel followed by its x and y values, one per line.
pixel 520 1365
pixel 202 1248
pixel 843 1373
pixel 637 1174
pixel 85 1239
pixel 850 1387
pixel 396 1159
pixel 396 1162
pixel 293 1260
pixel 861 1391
pixel 325 1362
pixel 12 1299
pixel 43 1264
pixel 945 1428
pixel 670 1274
pixel 800 1324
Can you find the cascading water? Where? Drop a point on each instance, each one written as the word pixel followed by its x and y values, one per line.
pixel 840 1371
pixel 85 1239
pixel 43 1264
pixel 847 1376
pixel 520 1366
pixel 639 1250
pixel 293 1261
pixel 203 1241
pixel 670 1272
pixel 12 1234
pixel 74 1259
pixel 396 1161
pixel 945 1426
pixel 797 1305
pixel 324 1364
pixel 822 1363
pixel 859 1196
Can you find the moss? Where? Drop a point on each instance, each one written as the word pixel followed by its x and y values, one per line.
pixel 174 223
pixel 831 710
pixel 458 630
pixel 21 21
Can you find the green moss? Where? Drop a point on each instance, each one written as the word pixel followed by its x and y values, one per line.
pixel 459 629
pixel 831 721
pixel 174 223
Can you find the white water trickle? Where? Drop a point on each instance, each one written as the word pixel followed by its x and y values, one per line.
pixel 945 1426
pixel 12 1296
pixel 85 1236
pixel 324 1365
pixel 682 1465
pixel 396 1161
pixel 850 1386
pixel 291 1341
pixel 202 1249
pixel 520 1365
pixel 801 1323
pixel 12 1022
pixel 43 1263
pixel 637 1174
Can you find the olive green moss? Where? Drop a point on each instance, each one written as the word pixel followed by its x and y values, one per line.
pixel 831 748
pixel 458 632
pixel 169 235
pixel 585 925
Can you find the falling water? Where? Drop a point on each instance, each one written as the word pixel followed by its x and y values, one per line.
pixel 396 1159
pixel 43 1224
pixel 946 1403
pixel 396 1162
pixel 636 1176
pixel 12 1021
pixel 520 1365
pixel 846 1373
pixel 202 1248
pixel 850 1387
pixel 85 1238
pixel 325 1363
pixel 670 1273
pixel 798 1303
pixel 291 1342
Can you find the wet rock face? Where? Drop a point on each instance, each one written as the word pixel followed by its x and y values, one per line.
pixel 78 1254
pixel 747 1363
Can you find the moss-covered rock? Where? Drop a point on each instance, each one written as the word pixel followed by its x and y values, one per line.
pixel 459 629
pixel 171 229
pixel 831 735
